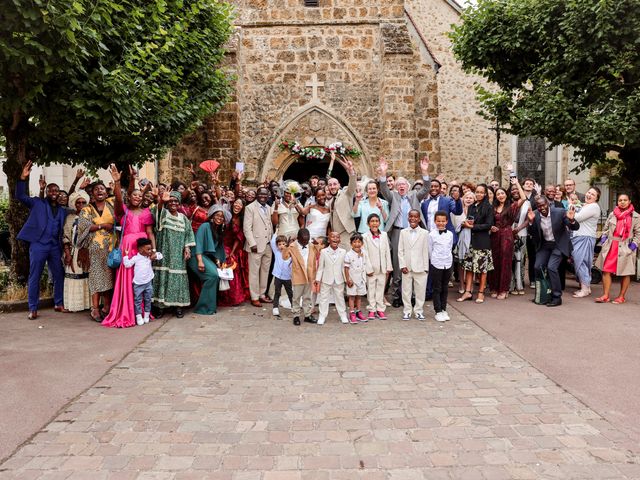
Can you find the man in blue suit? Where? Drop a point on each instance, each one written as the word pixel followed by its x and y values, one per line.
pixel 436 202
pixel 42 231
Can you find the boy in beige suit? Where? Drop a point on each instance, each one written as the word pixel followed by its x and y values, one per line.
pixel 303 272
pixel 258 231
pixel 378 266
pixel 330 278
pixel 413 259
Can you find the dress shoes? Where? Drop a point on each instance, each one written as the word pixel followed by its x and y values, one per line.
pixel 396 303
pixel 296 320
pixel 310 319
pixel 32 315
pixel 256 303
pixel 179 313
pixel 555 302
pixel 266 299
pixel 59 308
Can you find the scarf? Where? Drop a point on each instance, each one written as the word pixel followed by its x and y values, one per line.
pixel 624 221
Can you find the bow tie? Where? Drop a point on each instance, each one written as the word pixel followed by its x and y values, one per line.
pixel 303 247
pixel 442 231
pixel 375 236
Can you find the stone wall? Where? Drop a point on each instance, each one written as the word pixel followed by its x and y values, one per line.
pixel 467 145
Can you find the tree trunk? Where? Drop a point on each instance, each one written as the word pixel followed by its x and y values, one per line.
pixel 630 174
pixel 16 137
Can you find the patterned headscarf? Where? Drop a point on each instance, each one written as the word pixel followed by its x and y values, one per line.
pixel 176 195
pixel 75 196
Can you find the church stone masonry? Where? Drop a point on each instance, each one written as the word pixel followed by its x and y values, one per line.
pixel 377 75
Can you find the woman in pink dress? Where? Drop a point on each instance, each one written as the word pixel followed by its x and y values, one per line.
pixel 233 241
pixel 137 223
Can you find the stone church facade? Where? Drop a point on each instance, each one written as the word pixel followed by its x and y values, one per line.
pixel 377 75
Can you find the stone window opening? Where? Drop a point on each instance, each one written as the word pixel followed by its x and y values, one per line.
pixel 311 3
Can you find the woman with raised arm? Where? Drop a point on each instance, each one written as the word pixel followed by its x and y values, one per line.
pixel 136 223
pixel 464 236
pixel 584 240
pixel 96 239
pixel 363 207
pixel 76 278
pixel 317 216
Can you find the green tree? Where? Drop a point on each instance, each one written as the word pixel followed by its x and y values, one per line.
pixel 571 68
pixel 104 81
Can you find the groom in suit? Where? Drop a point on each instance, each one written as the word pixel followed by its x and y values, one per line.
pixel 401 200
pixel 341 204
pixel 549 228
pixel 42 231
pixel 258 231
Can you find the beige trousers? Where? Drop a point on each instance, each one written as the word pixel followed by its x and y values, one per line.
pixel 375 292
pixel 259 272
pixel 415 282
pixel 325 297
pixel 301 293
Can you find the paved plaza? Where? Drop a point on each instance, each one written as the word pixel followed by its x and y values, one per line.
pixel 242 396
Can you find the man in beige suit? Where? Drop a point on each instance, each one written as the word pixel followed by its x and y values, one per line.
pixel 341 204
pixel 413 258
pixel 258 231
pixel 330 278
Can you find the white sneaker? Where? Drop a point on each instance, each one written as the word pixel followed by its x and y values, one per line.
pixel 321 320
pixel 285 303
pixel 406 316
pixel 445 315
pixel 420 316
pixel 344 319
pixel 147 317
pixel 440 317
pixel 276 312
pixel 139 320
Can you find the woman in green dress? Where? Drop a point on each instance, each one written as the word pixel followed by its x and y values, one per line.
pixel 174 239
pixel 208 256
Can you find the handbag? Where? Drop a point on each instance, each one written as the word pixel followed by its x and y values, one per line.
pixel 543 290
pixel 223 285
pixel 114 260
pixel 225 273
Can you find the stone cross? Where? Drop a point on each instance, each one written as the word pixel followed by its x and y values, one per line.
pixel 314 84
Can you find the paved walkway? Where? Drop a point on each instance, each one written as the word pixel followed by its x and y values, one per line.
pixel 242 396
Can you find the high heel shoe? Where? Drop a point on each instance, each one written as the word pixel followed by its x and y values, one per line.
pixel 479 299
pixel 95 315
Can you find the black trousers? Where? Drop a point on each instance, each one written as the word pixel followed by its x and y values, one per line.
pixel 278 284
pixel 440 282
pixel 549 258
pixel 531 259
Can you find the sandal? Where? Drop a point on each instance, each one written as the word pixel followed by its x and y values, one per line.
pixel 502 296
pixel 95 315
pixel 480 300
pixel 467 295
pixel 618 301
pixel 602 299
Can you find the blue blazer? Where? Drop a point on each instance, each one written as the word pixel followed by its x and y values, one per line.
pixel 448 205
pixel 39 216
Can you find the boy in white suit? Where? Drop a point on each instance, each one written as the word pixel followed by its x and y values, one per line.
pixel 413 259
pixel 330 278
pixel 378 266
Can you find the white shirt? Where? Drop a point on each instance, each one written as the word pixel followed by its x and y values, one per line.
pixel 281 267
pixel 304 252
pixel 547 229
pixel 440 249
pixel 355 264
pixel 143 271
pixel 431 213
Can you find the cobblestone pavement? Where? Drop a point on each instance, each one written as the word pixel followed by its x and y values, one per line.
pixel 241 396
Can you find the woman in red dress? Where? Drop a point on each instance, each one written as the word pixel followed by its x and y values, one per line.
pixel 200 212
pixel 505 213
pixel 233 240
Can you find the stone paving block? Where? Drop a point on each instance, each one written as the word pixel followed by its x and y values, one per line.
pixel 234 397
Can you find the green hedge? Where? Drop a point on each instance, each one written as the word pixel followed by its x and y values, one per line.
pixel 4 208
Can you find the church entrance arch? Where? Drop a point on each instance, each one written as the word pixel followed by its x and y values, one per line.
pixel 313 125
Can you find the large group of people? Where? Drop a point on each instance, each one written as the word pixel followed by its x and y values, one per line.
pixel 128 256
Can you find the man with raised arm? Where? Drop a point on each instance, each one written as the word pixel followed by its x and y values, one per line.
pixel 341 204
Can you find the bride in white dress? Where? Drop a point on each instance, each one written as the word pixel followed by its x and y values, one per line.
pixel 318 216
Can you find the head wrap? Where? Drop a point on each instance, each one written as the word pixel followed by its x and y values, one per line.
pixel 76 195
pixel 218 208
pixel 176 195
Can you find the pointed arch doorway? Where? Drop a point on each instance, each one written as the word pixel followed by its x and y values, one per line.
pixel 302 170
